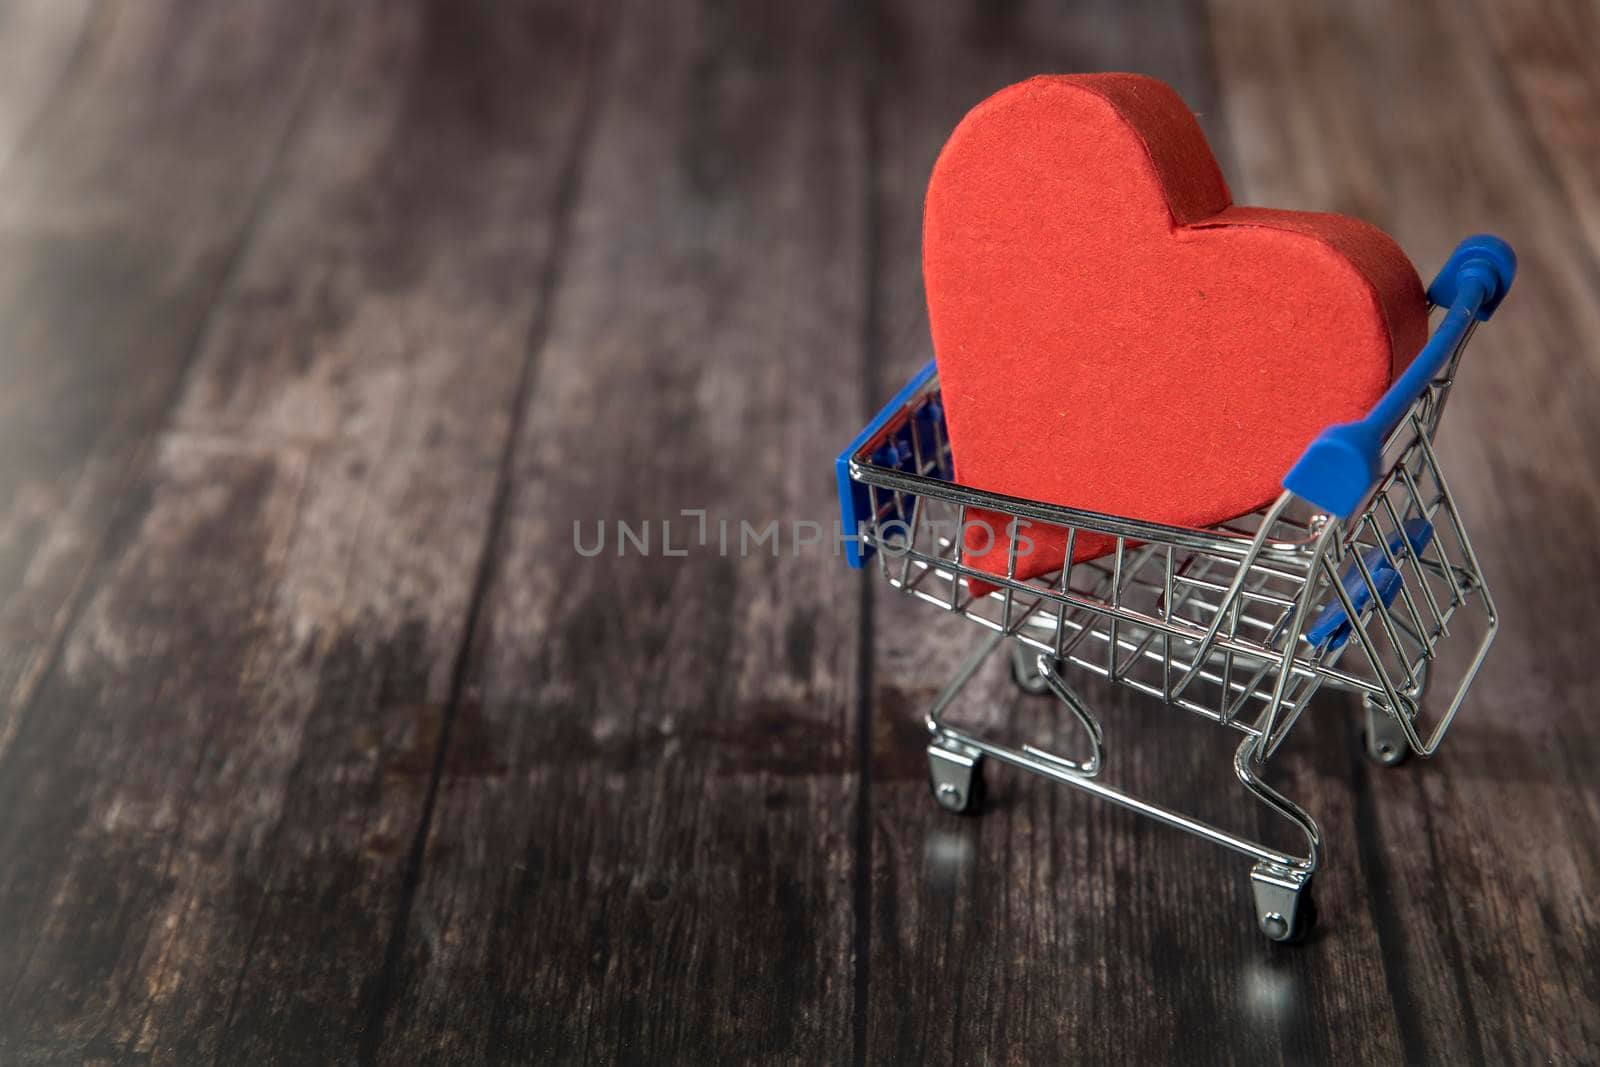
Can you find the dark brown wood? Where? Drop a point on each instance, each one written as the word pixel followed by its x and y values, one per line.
pixel 660 749
pixel 125 199
pixel 266 661
pixel 1489 853
pixel 321 325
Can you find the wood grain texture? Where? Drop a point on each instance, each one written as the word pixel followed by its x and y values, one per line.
pixel 1489 852
pixel 130 204
pixel 321 325
pixel 268 658
pixel 39 40
pixel 661 842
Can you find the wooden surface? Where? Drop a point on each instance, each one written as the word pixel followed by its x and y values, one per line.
pixel 321 323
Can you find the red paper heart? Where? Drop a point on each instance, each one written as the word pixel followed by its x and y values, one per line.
pixel 1113 335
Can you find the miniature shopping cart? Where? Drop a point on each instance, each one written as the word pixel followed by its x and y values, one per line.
pixel 1357 577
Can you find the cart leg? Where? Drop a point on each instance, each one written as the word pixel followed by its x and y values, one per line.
pixel 1386 741
pixel 1025 670
pixel 1385 737
pixel 955 774
pixel 1285 910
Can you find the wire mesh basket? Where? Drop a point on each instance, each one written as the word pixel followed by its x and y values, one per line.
pixel 1360 576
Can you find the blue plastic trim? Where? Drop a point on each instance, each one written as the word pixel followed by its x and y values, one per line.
pixel 1341 465
pixel 1480 252
pixel 1332 625
pixel 855 505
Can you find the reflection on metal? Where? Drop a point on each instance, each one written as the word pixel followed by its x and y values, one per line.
pixel 1240 624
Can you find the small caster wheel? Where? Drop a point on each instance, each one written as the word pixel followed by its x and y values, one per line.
pixel 1286 912
pixel 1383 738
pixel 1025 670
pixel 955 777
pixel 1386 752
pixel 1296 931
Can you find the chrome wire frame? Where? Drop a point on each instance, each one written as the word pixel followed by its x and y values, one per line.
pixel 1207 620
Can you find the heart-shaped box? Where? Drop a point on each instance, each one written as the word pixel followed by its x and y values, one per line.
pixel 1113 335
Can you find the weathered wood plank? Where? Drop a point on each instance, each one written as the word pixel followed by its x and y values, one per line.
pixel 212 810
pixel 117 225
pixel 279 781
pixel 102 793
pixel 659 867
pixel 38 40
pixel 1552 90
pixel 1490 915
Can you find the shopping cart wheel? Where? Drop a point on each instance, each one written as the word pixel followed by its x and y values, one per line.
pixel 1385 741
pixel 1025 670
pixel 955 776
pixel 1286 912
pixel 1305 919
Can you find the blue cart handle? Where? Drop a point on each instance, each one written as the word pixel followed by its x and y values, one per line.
pixel 1341 465
pixel 855 506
